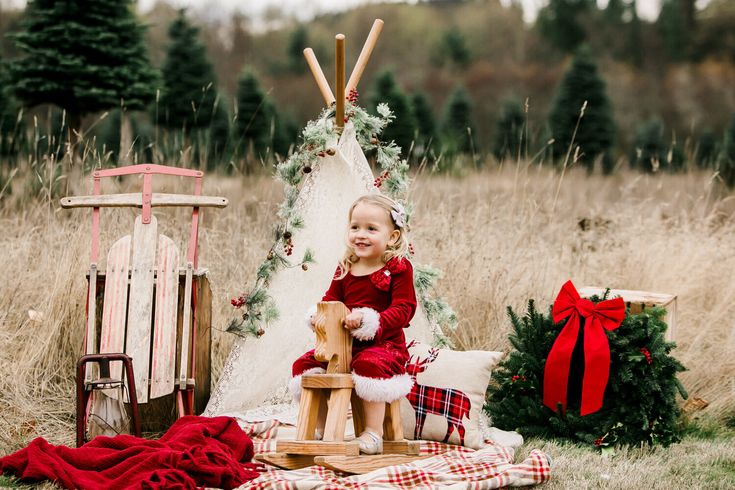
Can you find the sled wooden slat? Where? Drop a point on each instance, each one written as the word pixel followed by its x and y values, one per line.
pixel 114 309
pixel 90 341
pixel 136 200
pixel 140 308
pixel 163 354
pixel 186 329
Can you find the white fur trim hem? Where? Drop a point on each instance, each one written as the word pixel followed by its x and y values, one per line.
pixel 382 390
pixel 370 324
pixel 294 384
pixel 309 314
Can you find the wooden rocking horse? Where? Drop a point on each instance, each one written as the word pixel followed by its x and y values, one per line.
pixel 334 345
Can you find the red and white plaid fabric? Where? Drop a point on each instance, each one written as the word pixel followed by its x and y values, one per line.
pixel 452 466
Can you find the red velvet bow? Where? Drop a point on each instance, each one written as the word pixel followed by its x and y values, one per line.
pixel 382 277
pixel 604 315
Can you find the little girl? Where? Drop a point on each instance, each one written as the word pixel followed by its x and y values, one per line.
pixel 375 281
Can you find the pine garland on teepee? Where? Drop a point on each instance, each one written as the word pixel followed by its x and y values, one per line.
pixel 639 401
pixel 259 308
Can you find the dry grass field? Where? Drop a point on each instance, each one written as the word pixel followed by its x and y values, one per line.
pixel 501 236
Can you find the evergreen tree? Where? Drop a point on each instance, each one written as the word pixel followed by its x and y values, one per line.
pixel 285 132
pixel 12 129
pixel 83 57
pixel 706 154
pixel 560 23
pixel 652 152
pixel 297 42
pixel 614 12
pixel 425 123
pixel 726 160
pixel 634 48
pixel 189 83
pixel 458 131
pixel 509 141
pixel 254 116
pixel 402 128
pixel 595 130
pixel 640 402
pixel 218 148
pixel 454 48
pixel 673 29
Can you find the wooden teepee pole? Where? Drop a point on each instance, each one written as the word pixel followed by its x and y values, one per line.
pixel 367 50
pixel 321 80
pixel 340 80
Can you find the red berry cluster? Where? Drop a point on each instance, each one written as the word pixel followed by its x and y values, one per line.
pixel 598 441
pixel 288 246
pixel 646 353
pixel 516 378
pixel 353 95
pixel 321 154
pixel 410 248
pixel 237 302
pixel 349 115
pixel 381 178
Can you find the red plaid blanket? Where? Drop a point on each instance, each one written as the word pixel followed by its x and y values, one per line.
pixel 452 466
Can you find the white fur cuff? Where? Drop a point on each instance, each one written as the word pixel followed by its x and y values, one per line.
pixel 294 384
pixel 370 324
pixel 309 314
pixel 382 390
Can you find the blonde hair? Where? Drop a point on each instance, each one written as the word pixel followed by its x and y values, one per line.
pixel 398 249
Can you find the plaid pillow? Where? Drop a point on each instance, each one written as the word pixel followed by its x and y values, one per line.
pixel 448 394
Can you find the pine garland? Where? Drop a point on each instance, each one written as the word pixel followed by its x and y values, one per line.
pixel 259 307
pixel 640 399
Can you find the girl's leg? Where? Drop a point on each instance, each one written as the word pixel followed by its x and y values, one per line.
pixel 379 377
pixel 374 415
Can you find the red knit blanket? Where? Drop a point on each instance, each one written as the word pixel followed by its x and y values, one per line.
pixel 195 452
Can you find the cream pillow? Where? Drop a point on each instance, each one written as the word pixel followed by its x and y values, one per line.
pixel 448 394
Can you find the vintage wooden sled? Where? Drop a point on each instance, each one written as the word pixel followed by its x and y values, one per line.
pixel 148 309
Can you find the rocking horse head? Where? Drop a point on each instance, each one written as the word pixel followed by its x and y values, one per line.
pixel 333 341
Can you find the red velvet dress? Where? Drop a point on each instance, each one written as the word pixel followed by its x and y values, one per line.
pixel 379 354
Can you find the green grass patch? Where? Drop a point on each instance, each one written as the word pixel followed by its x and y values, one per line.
pixel 708 429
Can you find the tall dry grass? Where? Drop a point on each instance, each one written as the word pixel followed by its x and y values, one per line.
pixel 500 236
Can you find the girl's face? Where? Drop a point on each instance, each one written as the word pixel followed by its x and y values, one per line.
pixel 371 231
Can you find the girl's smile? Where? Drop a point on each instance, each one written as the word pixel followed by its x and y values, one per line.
pixel 371 232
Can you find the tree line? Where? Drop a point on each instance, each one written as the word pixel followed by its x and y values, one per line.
pixel 94 59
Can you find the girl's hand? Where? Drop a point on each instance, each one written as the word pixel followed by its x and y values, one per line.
pixel 353 320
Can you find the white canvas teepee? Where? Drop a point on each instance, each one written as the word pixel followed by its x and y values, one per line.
pixel 257 370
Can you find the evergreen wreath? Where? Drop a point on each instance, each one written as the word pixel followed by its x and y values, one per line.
pixel 640 403
pixel 258 307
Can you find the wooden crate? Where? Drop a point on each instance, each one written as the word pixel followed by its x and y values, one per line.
pixel 158 414
pixel 637 301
